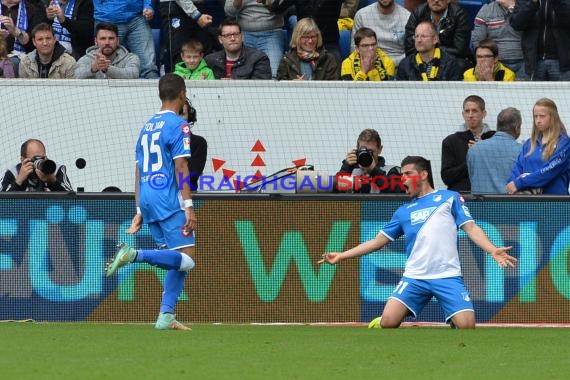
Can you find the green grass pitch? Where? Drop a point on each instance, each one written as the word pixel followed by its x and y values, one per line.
pixel 135 351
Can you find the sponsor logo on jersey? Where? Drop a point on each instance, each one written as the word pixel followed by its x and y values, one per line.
pixel 466 211
pixel 186 141
pixel 437 198
pixel 465 296
pixel 420 216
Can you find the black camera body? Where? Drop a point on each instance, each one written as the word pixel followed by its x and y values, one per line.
pixel 45 165
pixel 364 157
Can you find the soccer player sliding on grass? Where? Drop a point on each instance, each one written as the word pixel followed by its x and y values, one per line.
pixel 430 222
pixel 164 200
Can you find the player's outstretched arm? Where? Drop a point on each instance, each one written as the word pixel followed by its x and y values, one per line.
pixel 362 249
pixel 499 254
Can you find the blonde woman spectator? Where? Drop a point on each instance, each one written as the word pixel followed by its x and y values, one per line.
pixel 307 59
pixel 542 165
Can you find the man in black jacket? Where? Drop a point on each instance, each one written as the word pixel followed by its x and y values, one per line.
pixel 366 169
pixel 237 61
pixel 454 147
pixel 430 62
pixel 452 26
pixel 35 172
pixel 545 38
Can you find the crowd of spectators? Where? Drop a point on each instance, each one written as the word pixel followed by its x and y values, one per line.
pixel 508 39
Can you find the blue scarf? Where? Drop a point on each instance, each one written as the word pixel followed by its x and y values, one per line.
pixel 61 33
pixel 22 24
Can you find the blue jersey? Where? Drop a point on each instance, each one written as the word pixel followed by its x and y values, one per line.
pixel 430 224
pixel 165 137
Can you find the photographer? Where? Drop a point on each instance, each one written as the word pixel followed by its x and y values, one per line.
pixel 35 172
pixel 366 164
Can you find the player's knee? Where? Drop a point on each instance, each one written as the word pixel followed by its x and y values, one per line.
pixel 466 325
pixel 388 322
pixel 187 263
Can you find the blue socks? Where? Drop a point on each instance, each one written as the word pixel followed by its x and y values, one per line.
pixel 173 285
pixel 174 282
pixel 162 258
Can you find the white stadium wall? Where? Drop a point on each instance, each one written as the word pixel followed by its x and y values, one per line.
pixel 317 122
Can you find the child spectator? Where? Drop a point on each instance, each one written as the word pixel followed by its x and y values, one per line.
pixel 193 66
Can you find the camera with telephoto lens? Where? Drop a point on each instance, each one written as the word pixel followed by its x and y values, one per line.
pixel 364 157
pixel 45 165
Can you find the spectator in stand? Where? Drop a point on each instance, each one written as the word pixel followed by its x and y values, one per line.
pixel 488 67
pixel 452 26
pixel 366 160
pixel 542 166
pixel 7 68
pixel 73 24
pixel 490 161
pixel 35 172
pixel 429 62
pixel 454 147
pixel 262 29
pixel 545 37
pixel 367 62
pixel 132 20
pixel 388 20
pixel 307 59
pixel 17 19
pixel 237 61
pixel 49 60
pixel 492 21
pixel 324 12
pixel 348 9
pixel 193 66
pixel 107 59
pixel 183 20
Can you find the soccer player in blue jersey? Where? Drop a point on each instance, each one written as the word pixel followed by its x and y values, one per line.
pixel 430 222
pixel 164 198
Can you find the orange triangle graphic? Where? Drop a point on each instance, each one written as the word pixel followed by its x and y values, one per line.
pixel 258 161
pixel 228 173
pixel 238 185
pixel 258 147
pixel 300 162
pixel 217 164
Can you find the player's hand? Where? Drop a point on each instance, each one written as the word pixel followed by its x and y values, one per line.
pixel 331 258
pixel 191 221
pixel 205 20
pixel 136 224
pixel 300 77
pixel 502 258
pixel 26 169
